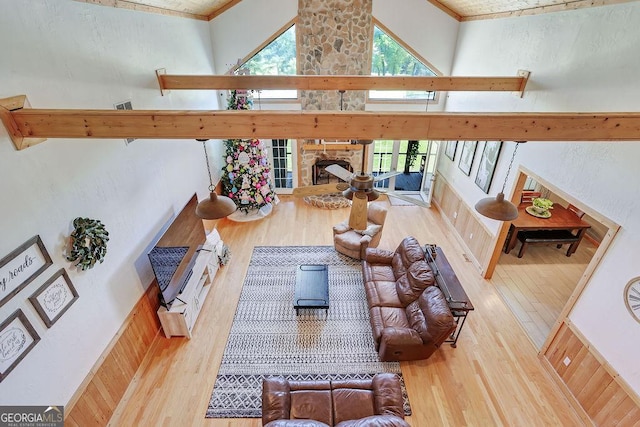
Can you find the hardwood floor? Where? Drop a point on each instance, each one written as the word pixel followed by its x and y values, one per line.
pixel 537 286
pixel 493 377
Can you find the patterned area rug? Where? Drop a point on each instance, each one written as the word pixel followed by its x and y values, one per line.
pixel 267 338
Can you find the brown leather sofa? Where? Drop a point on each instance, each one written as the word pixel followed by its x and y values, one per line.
pixel 352 403
pixel 409 315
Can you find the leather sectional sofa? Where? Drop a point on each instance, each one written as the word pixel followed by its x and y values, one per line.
pixel 409 315
pixel 353 403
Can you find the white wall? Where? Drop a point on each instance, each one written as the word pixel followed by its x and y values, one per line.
pixel 66 54
pixel 584 60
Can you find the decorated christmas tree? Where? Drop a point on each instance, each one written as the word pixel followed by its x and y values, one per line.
pixel 246 176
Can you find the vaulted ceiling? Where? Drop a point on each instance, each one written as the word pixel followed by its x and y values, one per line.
pixel 462 10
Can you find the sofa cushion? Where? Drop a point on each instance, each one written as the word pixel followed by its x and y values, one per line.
pixel 352 404
pixel 312 404
pixel 378 272
pixel 408 252
pixel 348 239
pixel 382 294
pixel 409 286
pixel 387 317
pixel 430 315
pixel 371 230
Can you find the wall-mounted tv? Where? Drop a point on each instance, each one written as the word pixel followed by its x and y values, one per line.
pixel 173 256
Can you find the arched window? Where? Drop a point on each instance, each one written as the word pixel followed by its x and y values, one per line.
pixel 276 59
pixel 390 58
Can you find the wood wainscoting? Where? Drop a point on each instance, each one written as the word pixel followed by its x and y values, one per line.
pixel 470 232
pixel 597 390
pixel 99 394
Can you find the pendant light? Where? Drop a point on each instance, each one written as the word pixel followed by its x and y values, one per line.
pixel 215 207
pixel 499 208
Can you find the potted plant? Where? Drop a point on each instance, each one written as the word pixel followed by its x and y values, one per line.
pixel 542 205
pixel 412 154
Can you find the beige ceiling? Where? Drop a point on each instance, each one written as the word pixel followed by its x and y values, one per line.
pixel 463 10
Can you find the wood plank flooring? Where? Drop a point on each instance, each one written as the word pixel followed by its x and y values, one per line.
pixel 493 378
pixel 537 286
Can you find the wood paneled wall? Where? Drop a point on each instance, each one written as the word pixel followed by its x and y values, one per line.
pixel 469 230
pixel 597 389
pixel 101 391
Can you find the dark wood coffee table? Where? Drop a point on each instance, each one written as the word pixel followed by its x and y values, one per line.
pixel 312 287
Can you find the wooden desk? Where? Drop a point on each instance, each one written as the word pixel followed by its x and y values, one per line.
pixel 561 219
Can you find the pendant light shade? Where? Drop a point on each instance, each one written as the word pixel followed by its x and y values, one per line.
pixel 215 207
pixel 497 208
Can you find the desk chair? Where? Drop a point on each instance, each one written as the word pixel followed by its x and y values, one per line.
pixel 575 210
pixel 528 196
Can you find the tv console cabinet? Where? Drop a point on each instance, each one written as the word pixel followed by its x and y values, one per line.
pixel 180 318
pixel 185 261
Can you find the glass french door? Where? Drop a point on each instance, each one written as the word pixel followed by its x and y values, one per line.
pixel 417 170
pixel 281 159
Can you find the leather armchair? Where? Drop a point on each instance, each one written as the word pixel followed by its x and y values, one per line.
pixel 350 403
pixel 354 243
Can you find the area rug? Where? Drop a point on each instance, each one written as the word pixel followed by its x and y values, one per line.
pixel 267 338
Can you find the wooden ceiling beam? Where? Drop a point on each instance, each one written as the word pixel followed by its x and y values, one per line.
pixel 185 82
pixel 163 124
pixel 7 106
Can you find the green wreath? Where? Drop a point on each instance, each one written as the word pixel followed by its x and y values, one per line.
pixel 88 243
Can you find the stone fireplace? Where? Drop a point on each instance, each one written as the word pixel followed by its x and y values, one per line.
pixel 333 38
pixel 309 158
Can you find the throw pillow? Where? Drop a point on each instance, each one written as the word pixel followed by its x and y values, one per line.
pixel 371 230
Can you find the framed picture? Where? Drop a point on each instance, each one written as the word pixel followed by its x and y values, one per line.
pixel 54 297
pixel 466 157
pixel 487 166
pixel 450 150
pixel 17 338
pixel 21 266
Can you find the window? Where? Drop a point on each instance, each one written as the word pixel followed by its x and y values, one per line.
pixel 390 58
pixel 276 59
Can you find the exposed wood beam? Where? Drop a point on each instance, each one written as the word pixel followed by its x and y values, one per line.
pixel 43 123
pixel 7 106
pixel 172 81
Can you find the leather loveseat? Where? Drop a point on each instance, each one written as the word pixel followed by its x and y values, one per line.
pixel 350 403
pixel 409 315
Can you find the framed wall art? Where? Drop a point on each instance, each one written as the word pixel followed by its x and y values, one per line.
pixel 487 165
pixel 54 297
pixel 17 338
pixel 21 266
pixel 450 150
pixel 466 157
